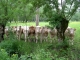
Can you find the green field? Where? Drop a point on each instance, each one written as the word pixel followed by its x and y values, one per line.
pixel 28 24
pixel 72 24
pixel 76 25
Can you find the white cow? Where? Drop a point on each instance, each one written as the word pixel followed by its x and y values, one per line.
pixel 38 32
pixel 70 34
pixel 25 31
pixel 17 30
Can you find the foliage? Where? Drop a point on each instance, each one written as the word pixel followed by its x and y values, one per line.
pixel 6 10
pixel 56 11
pixel 40 51
pixel 76 17
pixel 41 54
pixel 12 10
pixel 4 55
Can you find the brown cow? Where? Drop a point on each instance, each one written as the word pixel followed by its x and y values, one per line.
pixel 44 33
pixel 31 32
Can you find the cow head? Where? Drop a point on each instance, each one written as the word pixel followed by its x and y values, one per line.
pixel 71 31
pixel 31 30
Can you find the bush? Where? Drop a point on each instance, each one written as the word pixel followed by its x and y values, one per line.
pixel 18 47
pixel 41 54
pixel 14 47
pixel 4 55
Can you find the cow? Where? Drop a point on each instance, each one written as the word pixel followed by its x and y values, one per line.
pixel 44 33
pixel 31 33
pixel 70 34
pixel 14 28
pixel 53 33
pixel 9 30
pixel 18 30
pixel 38 32
pixel 25 31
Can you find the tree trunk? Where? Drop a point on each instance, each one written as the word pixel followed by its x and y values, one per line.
pixel 2 31
pixel 61 29
pixel 37 16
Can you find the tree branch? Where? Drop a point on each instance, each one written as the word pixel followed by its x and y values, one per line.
pixel 55 3
pixel 70 9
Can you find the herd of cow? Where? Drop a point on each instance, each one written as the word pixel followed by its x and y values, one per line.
pixel 39 33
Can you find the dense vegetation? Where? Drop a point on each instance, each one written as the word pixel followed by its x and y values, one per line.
pixel 13 49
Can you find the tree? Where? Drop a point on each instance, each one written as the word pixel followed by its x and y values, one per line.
pixel 36 7
pixel 4 16
pixel 59 13
pixel 25 12
pixel 10 10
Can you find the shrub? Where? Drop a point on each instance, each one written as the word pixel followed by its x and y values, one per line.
pixel 11 46
pixel 41 54
pixel 4 55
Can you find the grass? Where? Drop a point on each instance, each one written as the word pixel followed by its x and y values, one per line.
pixel 28 24
pixel 76 25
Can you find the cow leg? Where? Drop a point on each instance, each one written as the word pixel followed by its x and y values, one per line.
pixel 17 35
pixel 41 37
pixel 25 36
pixel 36 37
